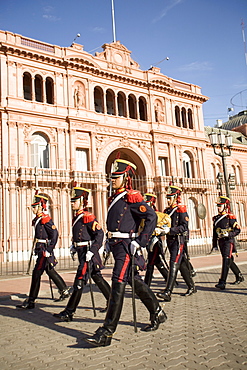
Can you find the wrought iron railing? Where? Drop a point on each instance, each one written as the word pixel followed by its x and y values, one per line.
pixel 17 188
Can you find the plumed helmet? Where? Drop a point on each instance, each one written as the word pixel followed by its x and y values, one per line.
pixel 173 190
pixel 39 199
pixel 149 197
pixel 78 192
pixel 121 166
pixel 222 200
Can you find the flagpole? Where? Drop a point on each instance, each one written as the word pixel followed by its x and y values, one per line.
pixel 113 21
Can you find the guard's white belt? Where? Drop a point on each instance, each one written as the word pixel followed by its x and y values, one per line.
pixel 118 234
pixel 80 244
pixel 41 241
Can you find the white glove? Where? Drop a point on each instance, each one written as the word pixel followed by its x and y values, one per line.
pixel 134 246
pixel 158 231
pixel 89 255
pixel 165 230
pixel 224 234
pixel 47 254
pixel 72 249
pixel 140 251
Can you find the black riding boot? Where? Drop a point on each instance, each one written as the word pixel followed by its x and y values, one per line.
pixel 146 295
pixel 149 275
pixel 163 270
pixel 172 274
pixel 60 283
pixel 103 335
pixel 34 291
pixel 187 278
pixel 226 262
pixel 237 273
pixel 67 314
pixel 104 287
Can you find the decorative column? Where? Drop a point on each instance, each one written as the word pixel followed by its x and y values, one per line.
pixel 12 138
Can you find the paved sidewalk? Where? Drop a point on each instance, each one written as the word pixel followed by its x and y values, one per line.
pixel 204 331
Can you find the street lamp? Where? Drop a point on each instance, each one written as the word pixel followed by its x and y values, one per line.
pixel 222 142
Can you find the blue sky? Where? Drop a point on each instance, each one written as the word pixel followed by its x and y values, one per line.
pixel 202 38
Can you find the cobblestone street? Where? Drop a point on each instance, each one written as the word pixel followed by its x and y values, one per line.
pixel 204 331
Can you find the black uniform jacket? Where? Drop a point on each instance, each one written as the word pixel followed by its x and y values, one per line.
pixel 225 221
pixel 45 230
pixel 126 214
pixel 85 227
pixel 179 219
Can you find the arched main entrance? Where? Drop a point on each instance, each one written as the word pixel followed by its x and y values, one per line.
pixel 140 181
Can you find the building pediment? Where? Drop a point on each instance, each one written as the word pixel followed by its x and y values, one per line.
pixel 117 55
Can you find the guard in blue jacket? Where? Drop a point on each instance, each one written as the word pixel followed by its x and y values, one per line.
pixel 126 210
pixel 155 252
pixel 45 239
pixel 87 239
pixel 175 238
pixel 225 228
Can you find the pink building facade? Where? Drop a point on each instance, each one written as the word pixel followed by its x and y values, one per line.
pixel 65 114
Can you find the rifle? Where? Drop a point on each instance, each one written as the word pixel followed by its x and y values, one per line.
pixel 133 290
pixel 31 255
pixel 52 295
pixel 188 257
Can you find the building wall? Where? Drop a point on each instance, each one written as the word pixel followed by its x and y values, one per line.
pixel 164 121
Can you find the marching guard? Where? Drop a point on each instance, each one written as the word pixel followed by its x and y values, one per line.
pixel 175 238
pixel 126 210
pixel 225 228
pixel 87 239
pixel 155 247
pixel 45 239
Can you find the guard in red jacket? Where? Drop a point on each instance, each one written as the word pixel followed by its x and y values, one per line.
pixel 87 239
pixel 126 210
pixel 46 236
pixel 175 238
pixel 225 228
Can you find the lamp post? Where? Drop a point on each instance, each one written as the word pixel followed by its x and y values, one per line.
pixel 222 145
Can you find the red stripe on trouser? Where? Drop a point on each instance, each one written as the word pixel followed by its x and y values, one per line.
pixel 155 252
pixel 124 268
pixel 83 271
pixel 40 265
pixel 231 249
pixel 180 251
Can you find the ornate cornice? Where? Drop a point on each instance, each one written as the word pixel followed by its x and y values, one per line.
pixel 83 65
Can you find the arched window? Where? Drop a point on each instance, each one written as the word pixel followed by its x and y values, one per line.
pixel 121 104
pixel 132 106
pixel 98 100
pixel 187 165
pixel 184 117
pixel 142 109
pixel 39 151
pixel 193 217
pixel 27 86
pixel 241 214
pixel 190 118
pixel 38 85
pixel 177 116
pixel 238 175
pixel 110 102
pixel 49 89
